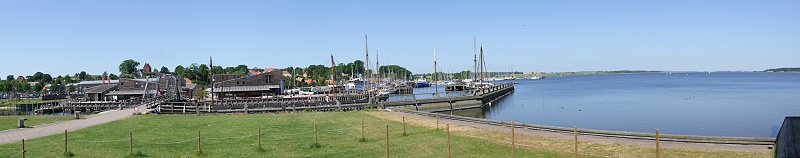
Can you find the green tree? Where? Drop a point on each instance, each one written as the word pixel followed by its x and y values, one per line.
pixel 200 94
pixel 37 77
pixel 59 79
pixel 71 88
pixel 164 69
pixel 24 87
pixel 10 77
pixel 5 86
pixel 113 77
pixel 38 87
pixel 68 79
pixel 217 70
pixel 128 67
pixel 241 69
pixel 179 70
pixel 82 75
pixel 46 78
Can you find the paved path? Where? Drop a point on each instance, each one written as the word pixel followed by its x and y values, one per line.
pixel 15 135
pixel 665 144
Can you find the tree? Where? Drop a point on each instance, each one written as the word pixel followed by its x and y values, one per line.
pixel 82 75
pixel 54 88
pixel 113 77
pixel 59 79
pixel 37 77
pixel 71 88
pixel 128 67
pixel 359 66
pixel 217 70
pixel 10 77
pixel 5 86
pixel 164 69
pixel 202 74
pixel 105 74
pixel 179 70
pixel 241 69
pixel 24 87
pixel 46 78
pixel 68 79
pixel 200 94
pixel 38 87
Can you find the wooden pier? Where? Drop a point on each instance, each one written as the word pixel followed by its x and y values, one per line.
pixel 326 103
pixel 296 103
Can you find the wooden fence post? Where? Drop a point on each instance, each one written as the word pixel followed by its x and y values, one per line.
pixel 387 141
pixel 513 143
pixel 448 140
pixel 404 125
pixel 23 148
pixel 130 141
pixel 658 147
pixel 65 141
pixel 199 150
pixel 575 129
pixel 315 133
pixel 437 120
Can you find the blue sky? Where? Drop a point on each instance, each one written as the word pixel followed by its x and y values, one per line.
pixel 65 37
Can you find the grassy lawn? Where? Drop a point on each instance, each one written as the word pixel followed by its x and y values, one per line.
pixel 283 135
pixel 292 135
pixel 10 122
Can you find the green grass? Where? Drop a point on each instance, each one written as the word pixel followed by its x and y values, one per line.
pixel 283 135
pixel 10 122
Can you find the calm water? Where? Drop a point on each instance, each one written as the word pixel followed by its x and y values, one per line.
pixel 744 104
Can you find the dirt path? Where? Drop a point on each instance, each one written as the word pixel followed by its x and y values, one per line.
pixel 15 135
pixel 665 144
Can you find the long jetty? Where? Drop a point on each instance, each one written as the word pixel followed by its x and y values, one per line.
pixel 346 102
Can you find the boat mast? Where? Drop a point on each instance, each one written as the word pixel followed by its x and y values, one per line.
pixel 333 78
pixel 366 70
pixel 434 72
pixel 475 58
pixel 378 66
pixel 482 69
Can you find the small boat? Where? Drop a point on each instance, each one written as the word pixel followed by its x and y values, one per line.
pixel 516 82
pixel 421 83
pixel 387 91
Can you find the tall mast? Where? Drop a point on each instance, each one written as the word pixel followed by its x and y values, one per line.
pixel 366 70
pixel 378 67
pixel 434 72
pixel 475 58
pixel 481 65
pixel 211 63
pixel 333 77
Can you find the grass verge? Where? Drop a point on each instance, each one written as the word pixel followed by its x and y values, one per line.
pixel 292 135
pixel 10 122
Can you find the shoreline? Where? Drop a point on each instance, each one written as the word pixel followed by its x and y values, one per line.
pixel 627 138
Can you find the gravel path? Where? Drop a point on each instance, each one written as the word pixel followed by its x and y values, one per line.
pixel 15 135
pixel 664 144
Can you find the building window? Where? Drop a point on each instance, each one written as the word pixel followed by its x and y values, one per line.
pixel 237 82
pixel 268 77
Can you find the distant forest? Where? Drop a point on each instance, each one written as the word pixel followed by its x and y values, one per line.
pixel 786 69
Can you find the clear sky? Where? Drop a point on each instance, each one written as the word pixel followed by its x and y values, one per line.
pixel 65 37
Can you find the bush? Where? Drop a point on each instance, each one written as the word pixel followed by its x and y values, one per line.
pixel 315 145
pixel 137 154
pixel 69 154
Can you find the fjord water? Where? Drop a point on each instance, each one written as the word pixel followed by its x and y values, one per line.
pixel 742 104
